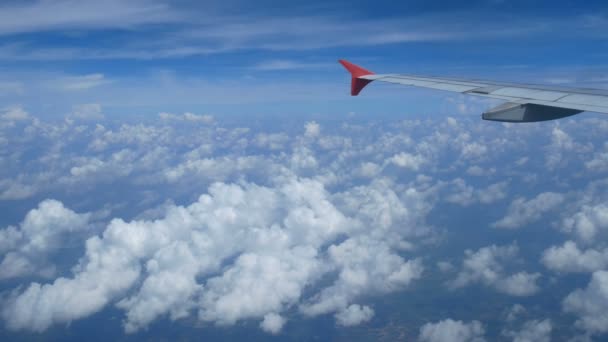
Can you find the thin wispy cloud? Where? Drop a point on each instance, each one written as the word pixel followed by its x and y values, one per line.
pixel 53 15
pixel 211 31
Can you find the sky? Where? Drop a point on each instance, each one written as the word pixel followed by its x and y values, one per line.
pixel 198 170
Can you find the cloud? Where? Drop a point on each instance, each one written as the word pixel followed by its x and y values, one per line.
pixel 452 331
pixel 590 304
pixel 493 193
pixel 67 14
pixel 15 191
pixel 280 64
pixel 242 251
pixel 288 226
pixel 408 161
pixel 569 258
pixel 312 129
pixel 89 111
pixel 15 114
pixel 522 212
pixel 485 266
pixel 272 323
pixel 214 31
pixel 43 231
pixel 205 118
pixel 275 141
pixel 461 193
pixel 532 331
pixel 84 82
pixel 588 222
pixel 354 314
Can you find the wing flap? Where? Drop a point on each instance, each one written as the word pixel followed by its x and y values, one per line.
pixel 517 112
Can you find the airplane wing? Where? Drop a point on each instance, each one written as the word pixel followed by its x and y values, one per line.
pixel 523 102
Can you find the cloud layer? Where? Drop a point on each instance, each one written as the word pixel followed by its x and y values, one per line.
pixel 224 224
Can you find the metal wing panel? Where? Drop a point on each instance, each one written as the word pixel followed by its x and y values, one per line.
pixel 574 98
pixel 542 95
pixel 593 100
pixel 425 83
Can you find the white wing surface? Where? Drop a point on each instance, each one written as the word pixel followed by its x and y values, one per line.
pixel 524 102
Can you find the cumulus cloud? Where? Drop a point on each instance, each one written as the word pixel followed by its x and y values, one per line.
pixel 90 111
pixel 493 193
pixel 599 162
pixel 485 266
pixel 522 212
pixel 15 114
pixel 354 314
pixel 590 304
pixel 239 252
pixel 272 323
pixel 452 331
pixel 44 230
pixel 275 141
pixel 312 129
pixel 461 193
pixel 569 258
pixel 514 312
pixel 532 331
pixel 588 222
pixel 300 224
pixel 407 161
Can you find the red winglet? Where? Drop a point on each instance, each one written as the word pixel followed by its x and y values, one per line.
pixel 356 83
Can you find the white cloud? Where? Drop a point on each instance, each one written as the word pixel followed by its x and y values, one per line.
pixel 519 284
pixel 275 141
pixel 280 64
pixel 522 212
pixel 590 304
pixel 15 114
pixel 312 129
pixel 187 116
pixel 369 169
pixel 485 266
pixel 569 258
pixel 329 224
pixel 89 111
pixel 590 221
pixel 493 193
pixel 452 331
pixel 560 142
pixel 514 312
pixel 599 162
pixel 240 252
pixel 478 171
pixel 461 193
pixel 408 160
pixel 84 82
pixel 272 323
pixel 365 266
pixel 445 266
pixel 14 190
pixel 42 231
pixel 532 331
pixel 81 15
pixel 354 314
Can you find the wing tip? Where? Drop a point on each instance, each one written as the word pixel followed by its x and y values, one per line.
pixel 357 84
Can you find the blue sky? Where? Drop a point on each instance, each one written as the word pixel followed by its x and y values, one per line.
pixel 223 56
pixel 187 170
